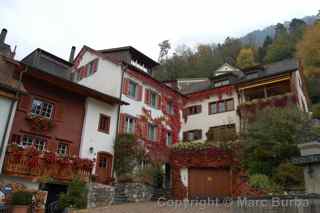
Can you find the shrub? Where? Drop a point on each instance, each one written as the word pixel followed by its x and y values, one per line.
pixel 152 175
pixel 316 111
pixel 289 175
pixel 260 181
pixel 76 196
pixel 127 154
pixel 21 198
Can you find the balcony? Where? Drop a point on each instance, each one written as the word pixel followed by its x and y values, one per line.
pixel 45 166
pixel 251 107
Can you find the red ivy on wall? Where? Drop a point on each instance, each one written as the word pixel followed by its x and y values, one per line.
pixel 170 121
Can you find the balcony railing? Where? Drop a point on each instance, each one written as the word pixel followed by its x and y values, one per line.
pixel 45 166
pixel 251 107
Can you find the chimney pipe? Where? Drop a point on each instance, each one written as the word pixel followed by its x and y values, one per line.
pixel 3 35
pixel 71 57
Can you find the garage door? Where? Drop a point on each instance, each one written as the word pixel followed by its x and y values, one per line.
pixel 205 183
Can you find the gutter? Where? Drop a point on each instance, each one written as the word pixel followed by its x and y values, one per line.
pixel 123 69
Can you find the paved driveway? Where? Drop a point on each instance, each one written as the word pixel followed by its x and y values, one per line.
pixel 154 207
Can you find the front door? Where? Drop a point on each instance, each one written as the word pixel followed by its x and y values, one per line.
pixel 103 167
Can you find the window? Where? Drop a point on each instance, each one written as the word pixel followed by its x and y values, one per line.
pixel 221 83
pixel 132 89
pixel 130 124
pixel 222 133
pixel 91 68
pixel 104 123
pixel 38 142
pixel 42 108
pixel 153 99
pixel 152 132
pixel 63 149
pixel 221 106
pixel 192 135
pixel 193 110
pixel 170 107
pixel 169 138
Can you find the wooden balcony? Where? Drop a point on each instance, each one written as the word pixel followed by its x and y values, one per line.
pixel 251 107
pixel 37 166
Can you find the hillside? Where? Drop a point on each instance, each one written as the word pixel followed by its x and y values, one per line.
pixel 257 37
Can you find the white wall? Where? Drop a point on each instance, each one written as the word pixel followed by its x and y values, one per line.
pixel 91 137
pixel 135 107
pixel 302 99
pixel 5 105
pixel 204 121
pixel 107 78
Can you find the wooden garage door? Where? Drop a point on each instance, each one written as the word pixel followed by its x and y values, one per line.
pixel 205 183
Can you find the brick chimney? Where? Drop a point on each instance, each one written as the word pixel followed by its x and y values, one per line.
pixel 71 57
pixel 3 35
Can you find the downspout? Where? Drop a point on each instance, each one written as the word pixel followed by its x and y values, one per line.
pixel 123 69
pixel 17 94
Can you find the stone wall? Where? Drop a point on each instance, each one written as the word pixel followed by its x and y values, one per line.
pixel 103 195
pixel 138 192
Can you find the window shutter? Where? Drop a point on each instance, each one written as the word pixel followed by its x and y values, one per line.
pixel 121 123
pixel 164 105
pixel 95 65
pixel 145 129
pixel 159 134
pixel 125 86
pixel 58 112
pixel 147 96
pixel 85 71
pixel 139 88
pixel 25 103
pixel 159 101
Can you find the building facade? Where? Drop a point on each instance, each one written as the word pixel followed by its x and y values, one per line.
pixel 232 95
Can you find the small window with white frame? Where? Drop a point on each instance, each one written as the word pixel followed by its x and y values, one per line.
pixel 152 132
pixel 169 138
pixel 170 108
pixel 130 124
pixel 132 89
pixel 38 142
pixel 63 149
pixel 42 108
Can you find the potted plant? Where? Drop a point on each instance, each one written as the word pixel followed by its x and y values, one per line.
pixel 21 201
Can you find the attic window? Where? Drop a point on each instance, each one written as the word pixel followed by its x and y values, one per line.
pixel 221 83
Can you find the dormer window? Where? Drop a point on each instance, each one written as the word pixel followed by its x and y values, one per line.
pixel 221 83
pixel 140 66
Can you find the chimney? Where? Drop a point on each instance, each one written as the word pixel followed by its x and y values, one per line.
pixel 3 35
pixel 71 57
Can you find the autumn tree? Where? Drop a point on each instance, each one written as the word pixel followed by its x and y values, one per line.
pixel 245 58
pixel 308 50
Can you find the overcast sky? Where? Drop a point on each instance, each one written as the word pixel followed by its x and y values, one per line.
pixel 56 25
